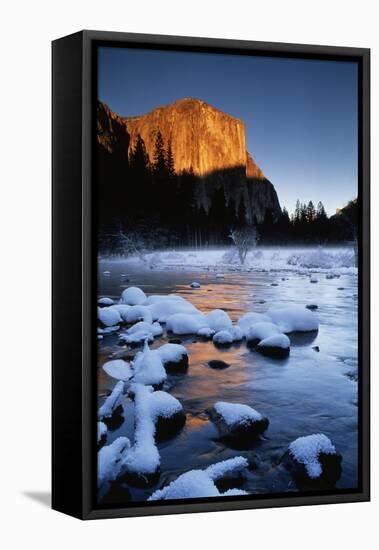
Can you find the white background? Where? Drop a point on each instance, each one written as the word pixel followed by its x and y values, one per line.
pixel 27 29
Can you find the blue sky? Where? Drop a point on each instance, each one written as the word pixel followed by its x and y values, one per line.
pixel 300 115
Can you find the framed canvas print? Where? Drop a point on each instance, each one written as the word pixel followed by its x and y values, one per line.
pixel 210 274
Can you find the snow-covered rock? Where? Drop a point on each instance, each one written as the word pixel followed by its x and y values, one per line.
pixel 112 404
pixel 223 338
pixel 162 310
pixel 217 320
pixel 105 301
pixel 183 323
pixel 108 316
pixel 122 310
pixel 167 414
pixel 277 346
pixel 133 296
pixel 313 279
pixel 293 319
pixel 148 368
pixel 137 313
pixel 313 457
pixel 260 331
pixel 101 433
pixel 237 424
pixel 249 319
pixel 110 459
pixel 205 332
pixel 220 275
pixel 118 369
pixel 201 483
pixel 140 332
pixel 174 357
pixel 237 333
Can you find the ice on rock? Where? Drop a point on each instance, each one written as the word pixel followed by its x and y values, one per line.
pixel 173 356
pixel 112 403
pixel 118 369
pixel 101 432
pixel 133 296
pixel 293 318
pixel 201 483
pixel 110 458
pixel 307 450
pixel 249 319
pixel 138 313
pixel 105 301
pixel 182 323
pixel 148 368
pixel 217 320
pixel 223 338
pixel 108 316
pixel 275 346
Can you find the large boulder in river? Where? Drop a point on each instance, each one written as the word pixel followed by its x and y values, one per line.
pixel 313 460
pixel 238 425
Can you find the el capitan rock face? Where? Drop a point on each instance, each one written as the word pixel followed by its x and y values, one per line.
pixel 203 139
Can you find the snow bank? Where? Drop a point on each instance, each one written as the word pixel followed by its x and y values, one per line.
pixel 236 413
pixel 112 402
pixel 217 320
pixel 118 369
pixel 307 450
pixel 182 323
pixel 148 368
pixel 108 316
pixel 110 459
pixel 201 483
pixel 133 296
pixel 223 338
pixel 293 318
pixel 249 319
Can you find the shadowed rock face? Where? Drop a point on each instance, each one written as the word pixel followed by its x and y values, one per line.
pixel 203 139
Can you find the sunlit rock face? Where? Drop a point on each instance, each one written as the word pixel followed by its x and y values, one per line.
pixel 203 139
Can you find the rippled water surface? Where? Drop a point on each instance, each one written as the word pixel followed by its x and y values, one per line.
pixel 311 391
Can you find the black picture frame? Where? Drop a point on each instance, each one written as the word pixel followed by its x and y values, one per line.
pixel 74 289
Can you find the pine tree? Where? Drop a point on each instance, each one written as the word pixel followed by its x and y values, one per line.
pixel 139 159
pixel 170 161
pixel 311 212
pixel 320 212
pixel 160 163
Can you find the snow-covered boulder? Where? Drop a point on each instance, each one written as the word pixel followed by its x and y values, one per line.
pixel 183 323
pixel 237 424
pixel 293 319
pixel 202 483
pixel 236 333
pixel 148 368
pixel 205 332
pixel 277 346
pixel 108 316
pixel 195 285
pixel 140 333
pixel 133 296
pixel 220 275
pixel 223 338
pixel 118 369
pixel 112 405
pixel 217 320
pixel 105 301
pixel 313 279
pixel 167 414
pixel 163 309
pixel 122 310
pixel 174 357
pixel 249 319
pixel 102 431
pixel 260 331
pixel 313 458
pixel 110 459
pixel 137 313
